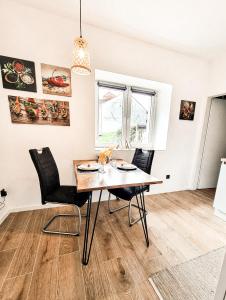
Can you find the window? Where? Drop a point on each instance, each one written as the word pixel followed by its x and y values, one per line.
pixel 125 115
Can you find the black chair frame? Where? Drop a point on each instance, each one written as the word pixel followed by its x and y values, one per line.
pixel 76 233
pixel 141 208
pixel 132 221
pixel 34 153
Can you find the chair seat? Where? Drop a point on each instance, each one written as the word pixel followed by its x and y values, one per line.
pixel 128 193
pixel 68 194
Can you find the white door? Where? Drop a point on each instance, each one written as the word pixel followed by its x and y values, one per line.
pixel 215 145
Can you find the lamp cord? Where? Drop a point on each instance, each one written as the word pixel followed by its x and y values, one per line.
pixel 80 18
pixel 2 203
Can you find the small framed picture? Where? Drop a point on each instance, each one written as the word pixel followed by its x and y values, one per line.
pixel 187 110
pixel 18 74
pixel 25 110
pixel 56 80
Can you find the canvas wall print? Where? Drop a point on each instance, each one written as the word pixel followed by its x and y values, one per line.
pixel 39 111
pixel 56 80
pixel 18 74
pixel 187 110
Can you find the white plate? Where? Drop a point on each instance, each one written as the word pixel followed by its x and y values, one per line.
pixel 126 167
pixel 88 167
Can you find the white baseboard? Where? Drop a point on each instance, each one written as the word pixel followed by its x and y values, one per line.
pixel 25 208
pixel 220 214
pixel 4 216
pixel 33 207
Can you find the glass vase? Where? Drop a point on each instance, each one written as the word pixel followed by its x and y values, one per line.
pixel 102 169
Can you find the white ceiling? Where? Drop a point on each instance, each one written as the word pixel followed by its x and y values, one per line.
pixel 189 26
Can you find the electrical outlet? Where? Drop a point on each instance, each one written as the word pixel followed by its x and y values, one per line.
pixel 167 176
pixel 3 193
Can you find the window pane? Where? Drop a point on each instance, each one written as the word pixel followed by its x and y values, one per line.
pixel 140 119
pixel 110 116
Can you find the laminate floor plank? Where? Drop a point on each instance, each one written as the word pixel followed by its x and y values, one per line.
pixel 96 281
pixel 44 284
pixel 5 224
pixel 15 231
pixel 204 213
pixel 16 288
pixel 70 281
pixel 24 258
pixel 210 193
pixel 204 239
pixel 128 249
pixel 142 291
pixel 6 258
pixel 68 244
pixel 134 249
pixel 119 275
pixel 107 245
pixel 211 235
pixel 151 258
pixel 177 231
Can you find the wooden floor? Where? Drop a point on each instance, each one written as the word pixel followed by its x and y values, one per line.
pixel 41 266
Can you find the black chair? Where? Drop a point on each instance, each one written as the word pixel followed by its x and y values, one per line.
pixel 52 191
pixel 143 160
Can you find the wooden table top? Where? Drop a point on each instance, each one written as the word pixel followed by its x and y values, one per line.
pixel 112 178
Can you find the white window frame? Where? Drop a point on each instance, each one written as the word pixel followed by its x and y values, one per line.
pixel 126 116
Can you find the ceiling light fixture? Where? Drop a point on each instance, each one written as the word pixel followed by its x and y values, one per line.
pixel 81 58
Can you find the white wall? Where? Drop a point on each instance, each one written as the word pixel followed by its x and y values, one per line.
pixel 46 38
pixel 215 145
pixel 217 80
pixel 216 86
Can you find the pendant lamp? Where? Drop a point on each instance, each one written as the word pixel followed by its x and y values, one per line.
pixel 81 58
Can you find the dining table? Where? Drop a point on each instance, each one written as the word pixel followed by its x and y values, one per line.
pixel 112 177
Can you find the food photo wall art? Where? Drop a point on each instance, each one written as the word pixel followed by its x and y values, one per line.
pixel 56 80
pixel 187 110
pixel 18 74
pixel 39 111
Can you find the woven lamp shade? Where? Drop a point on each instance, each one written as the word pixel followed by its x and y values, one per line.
pixel 81 59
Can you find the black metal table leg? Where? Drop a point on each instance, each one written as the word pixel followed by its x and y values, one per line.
pixel 145 219
pixel 88 245
pixel 142 212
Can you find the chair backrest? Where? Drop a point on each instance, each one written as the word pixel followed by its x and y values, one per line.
pixel 143 159
pixel 47 171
